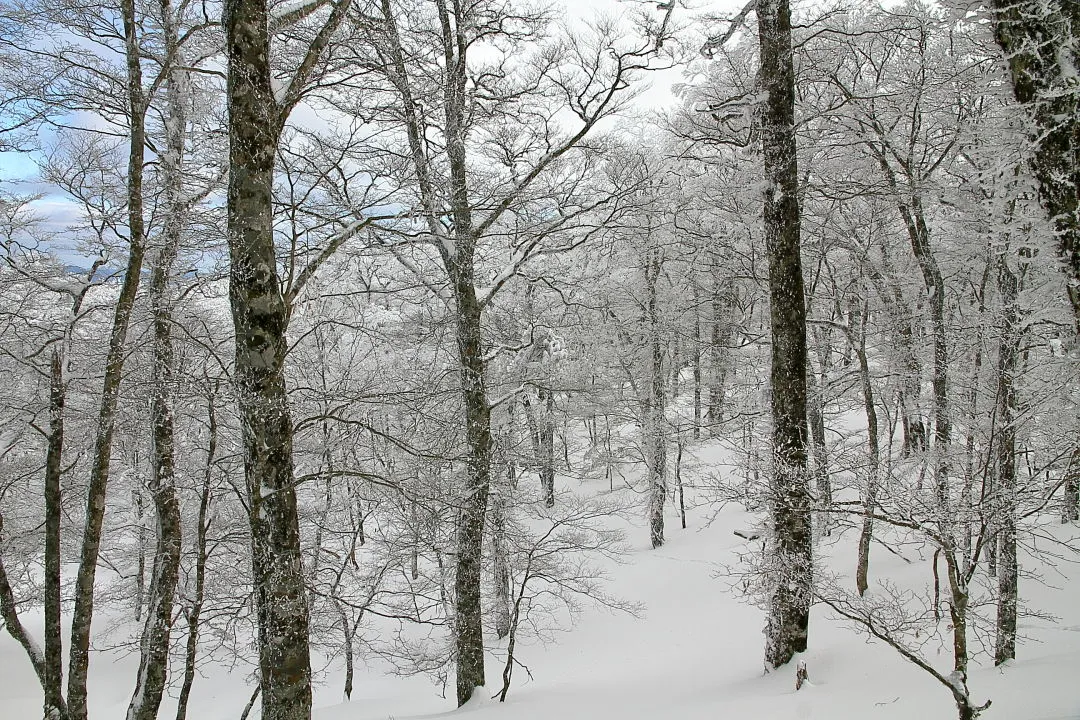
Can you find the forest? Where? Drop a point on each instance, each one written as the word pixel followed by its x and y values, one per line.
pixel 358 339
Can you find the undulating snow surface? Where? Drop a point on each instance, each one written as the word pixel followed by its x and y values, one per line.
pixel 695 655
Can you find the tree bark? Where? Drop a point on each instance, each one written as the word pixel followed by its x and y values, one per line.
pixel 1008 354
pixel 654 425
pixel 1039 42
pixel 154 650
pixel 502 564
pixel 260 318
pixel 82 617
pixel 789 601
pixel 194 613
pixel 55 707
pixel 1070 510
pixel 866 535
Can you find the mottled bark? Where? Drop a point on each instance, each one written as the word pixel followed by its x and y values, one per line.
pixel 541 421
pixel 866 534
pixel 919 235
pixel 697 362
pixel 1005 451
pixel 468 617
pixel 501 560
pixel 547 445
pixel 1038 38
pixel 789 601
pixel 959 600
pixel 654 405
pixel 55 706
pixel 816 422
pixel 82 616
pixel 1070 506
pixel 154 646
pixel 194 612
pixel 260 317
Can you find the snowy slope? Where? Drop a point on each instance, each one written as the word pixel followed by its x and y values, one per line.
pixel 695 655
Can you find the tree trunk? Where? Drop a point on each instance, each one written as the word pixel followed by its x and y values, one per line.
pixel 154 650
pixel 55 707
pixel 195 611
pixel 655 423
pixel 82 616
pixel 697 362
pixel 718 337
pixel 1070 511
pixel 468 619
pixel 789 601
pixel 1039 42
pixel 1005 508
pixel 866 535
pixel 816 421
pixel 547 445
pixel 260 318
pixel 502 564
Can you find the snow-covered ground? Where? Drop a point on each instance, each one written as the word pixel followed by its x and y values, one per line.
pixel 695 654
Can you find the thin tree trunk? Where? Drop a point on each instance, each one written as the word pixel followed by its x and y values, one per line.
pixel 816 421
pixel 347 631
pixel 154 650
pixel 502 564
pixel 55 707
pixel 82 616
pixel 194 613
pixel 1070 511
pixel 697 363
pixel 546 403
pixel 655 424
pixel 866 535
pixel 718 336
pixel 140 514
pixel 789 601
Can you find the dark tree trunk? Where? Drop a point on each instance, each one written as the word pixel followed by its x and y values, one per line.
pixel 1039 42
pixel 655 423
pixel 1070 511
pixel 789 602
pixel 719 335
pixel 546 406
pixel 82 616
pixel 468 622
pixel 55 707
pixel 935 288
pixel 866 535
pixel 816 421
pixel 697 362
pixel 260 318
pixel 1005 507
pixel 502 564
pixel 911 211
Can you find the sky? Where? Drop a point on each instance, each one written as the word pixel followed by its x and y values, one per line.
pixel 19 169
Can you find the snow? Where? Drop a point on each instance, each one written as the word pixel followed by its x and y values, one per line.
pixel 695 655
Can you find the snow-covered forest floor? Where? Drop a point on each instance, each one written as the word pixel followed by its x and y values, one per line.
pixel 696 651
